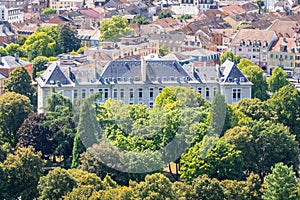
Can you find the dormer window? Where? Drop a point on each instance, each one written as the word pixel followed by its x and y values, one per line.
pixel 242 79
pixel 230 79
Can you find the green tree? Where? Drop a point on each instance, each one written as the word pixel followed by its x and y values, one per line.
pixel 163 50
pixel 34 133
pixel 260 87
pixel 114 28
pixel 67 38
pixel 155 186
pixel 79 193
pixel 57 183
pixel 262 145
pixel 281 184
pixel 3 183
pixel 230 56
pixel 48 11
pixel 14 108
pixel 207 188
pixel 19 81
pixel 260 4
pixel 139 19
pixel 84 178
pixel 244 63
pixel 13 49
pixel 222 162
pixel 39 64
pixel 277 80
pixel 23 169
pixel 164 14
pixel 285 102
pixel 185 16
pixel 21 40
pixel 3 51
pixel 39 44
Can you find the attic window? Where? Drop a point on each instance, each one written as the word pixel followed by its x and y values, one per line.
pixel 242 79
pixel 230 79
pixel 52 82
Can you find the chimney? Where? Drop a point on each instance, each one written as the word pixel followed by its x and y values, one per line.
pixel 16 57
pixel 143 69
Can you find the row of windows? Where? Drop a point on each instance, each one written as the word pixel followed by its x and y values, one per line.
pixel 286 57
pixel 121 93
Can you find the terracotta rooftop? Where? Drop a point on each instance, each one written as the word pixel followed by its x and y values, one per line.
pixel 285 28
pixel 233 9
pixel 91 13
pixel 253 34
pixel 167 22
pixel 289 42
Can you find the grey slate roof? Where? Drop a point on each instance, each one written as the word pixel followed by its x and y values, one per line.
pixel 231 73
pixel 12 62
pixel 2 76
pixel 54 75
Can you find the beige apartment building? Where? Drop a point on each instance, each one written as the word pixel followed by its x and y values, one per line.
pixel 56 4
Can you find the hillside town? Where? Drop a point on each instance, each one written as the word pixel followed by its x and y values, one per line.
pixel 150 99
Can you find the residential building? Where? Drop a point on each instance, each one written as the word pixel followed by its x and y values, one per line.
pixel 286 54
pixel 21 4
pixel 203 57
pixel 9 63
pixel 88 38
pixel 140 81
pixel 254 44
pixel 127 47
pixel 203 5
pixel 12 15
pixel 285 28
pixel 3 78
pixel 56 4
pixel 7 34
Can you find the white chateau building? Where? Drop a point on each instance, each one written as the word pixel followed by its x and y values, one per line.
pixel 140 81
pixel 12 15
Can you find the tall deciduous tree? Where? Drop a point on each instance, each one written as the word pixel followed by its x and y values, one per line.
pixel 164 14
pixel 39 64
pixel 39 44
pixel 14 108
pixel 260 87
pixel 114 28
pixel 3 51
pixel 23 169
pixel 230 56
pixel 281 184
pixel 277 80
pixel 55 184
pixel 3 183
pixel 286 102
pixel 34 133
pixel 139 19
pixel 244 63
pixel 67 39
pixel 19 81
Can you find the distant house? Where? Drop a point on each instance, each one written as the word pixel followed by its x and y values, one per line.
pixel 9 63
pixel 7 34
pixel 203 57
pixel 88 38
pixel 3 77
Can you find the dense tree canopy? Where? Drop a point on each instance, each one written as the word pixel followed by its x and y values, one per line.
pixel 48 11
pixel 67 38
pixel 139 19
pixel 277 80
pixel 114 28
pixel 164 14
pixel 39 64
pixel 230 56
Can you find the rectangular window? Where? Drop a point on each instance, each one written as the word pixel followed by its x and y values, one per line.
pixel 207 92
pixel 115 94
pixel 199 90
pixel 91 91
pixel 291 57
pixel 105 94
pixel 215 91
pixel 140 94
pixel 101 94
pixel 151 95
pixel 271 55
pixel 83 93
pixel 151 104
pixel 236 94
pixel 131 95
pixel 75 94
pixel 159 90
pixel 286 57
pixel 122 93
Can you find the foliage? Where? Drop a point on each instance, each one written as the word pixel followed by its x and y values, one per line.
pixel 81 50
pixel 230 56
pixel 79 193
pixel 14 108
pixel 14 49
pixel 155 186
pixel 48 11
pixel 39 64
pixel 260 4
pixel 281 184
pixel 3 51
pixel 185 16
pixel 67 39
pixel 164 14
pixel 34 133
pixel 84 178
pixel 19 81
pixel 222 162
pixel 139 19
pixel 39 44
pixel 163 50
pixel 21 39
pixel 277 142
pixel 244 63
pixel 285 102
pixel 114 28
pixel 3 183
pixel 208 189
pixel 23 169
pixel 256 75
pixel 57 183
pixel 277 80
